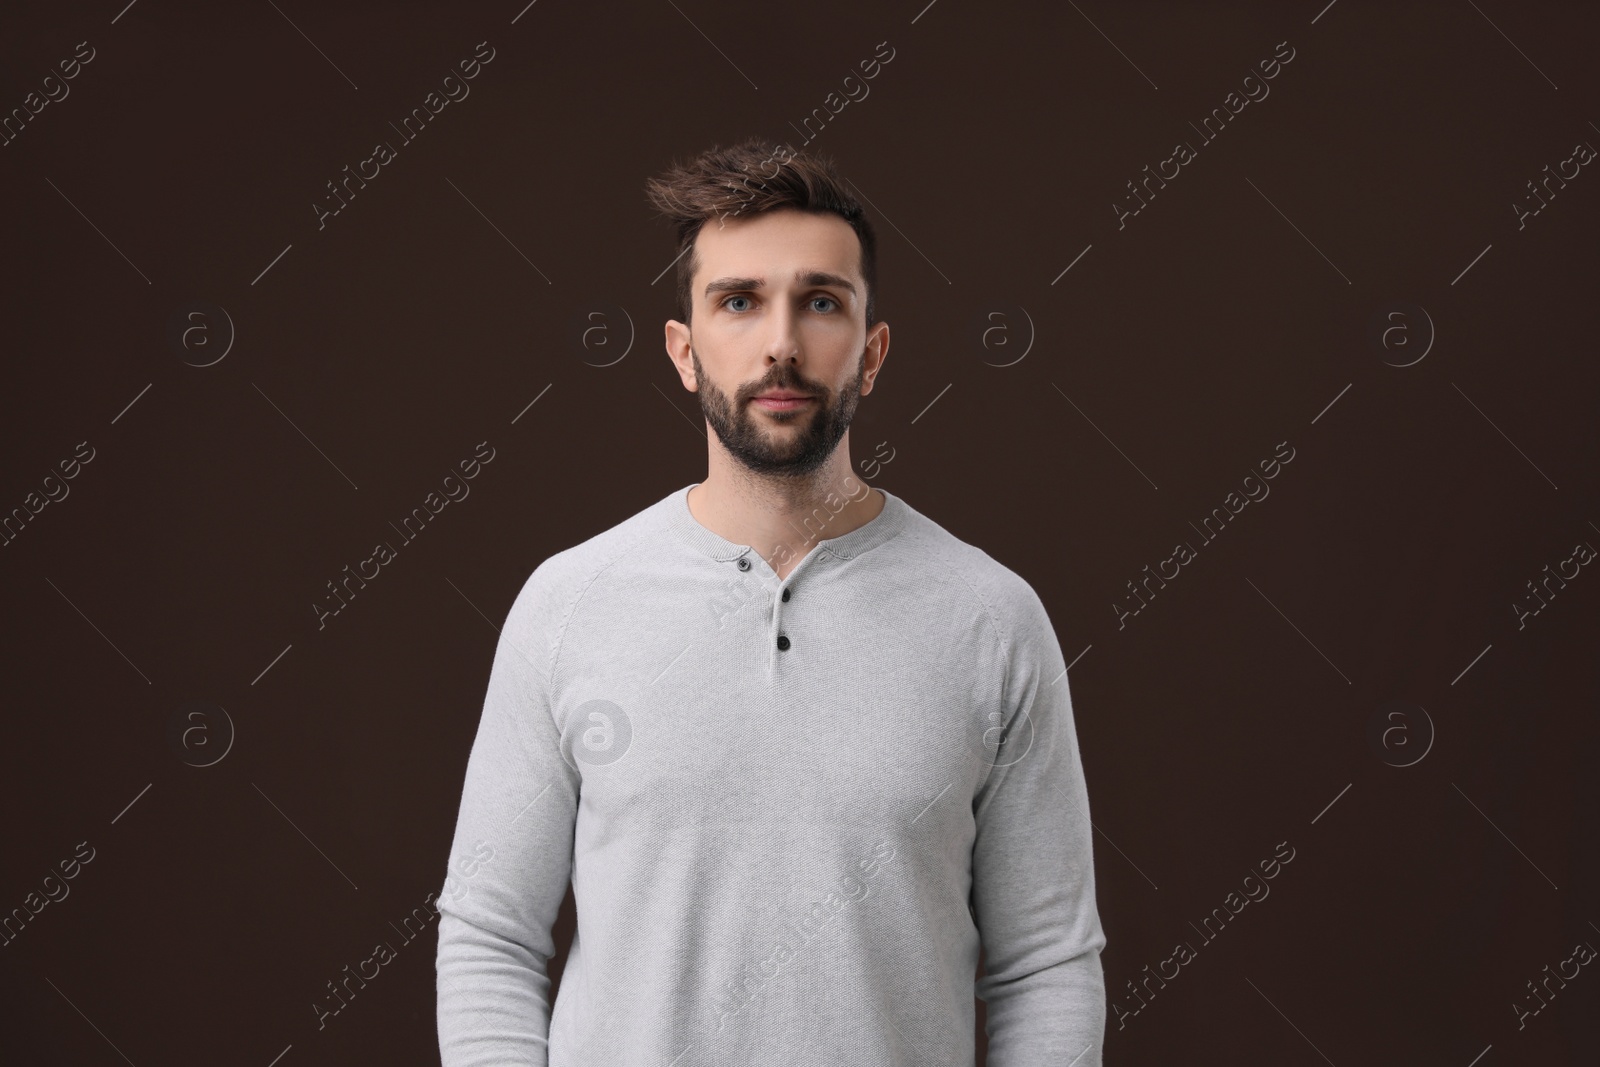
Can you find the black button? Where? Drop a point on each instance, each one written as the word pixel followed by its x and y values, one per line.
pixel 786 594
pixel 744 564
pixel 783 642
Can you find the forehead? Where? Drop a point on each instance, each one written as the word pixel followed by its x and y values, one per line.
pixel 775 244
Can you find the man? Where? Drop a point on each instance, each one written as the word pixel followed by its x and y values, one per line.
pixel 799 750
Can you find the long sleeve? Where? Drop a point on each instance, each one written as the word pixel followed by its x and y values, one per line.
pixel 511 858
pixel 1033 868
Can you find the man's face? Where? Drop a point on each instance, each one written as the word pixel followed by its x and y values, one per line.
pixel 779 304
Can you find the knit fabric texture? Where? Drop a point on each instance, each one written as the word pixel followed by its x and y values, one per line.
pixel 790 810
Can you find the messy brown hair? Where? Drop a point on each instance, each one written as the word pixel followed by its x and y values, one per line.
pixel 748 178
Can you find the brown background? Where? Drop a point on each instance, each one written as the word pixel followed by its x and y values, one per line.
pixel 1233 313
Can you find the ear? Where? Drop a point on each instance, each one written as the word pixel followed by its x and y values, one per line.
pixel 677 344
pixel 877 351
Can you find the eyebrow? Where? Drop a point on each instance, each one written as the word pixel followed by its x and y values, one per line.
pixel 803 277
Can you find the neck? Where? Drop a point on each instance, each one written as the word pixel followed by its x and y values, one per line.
pixel 771 513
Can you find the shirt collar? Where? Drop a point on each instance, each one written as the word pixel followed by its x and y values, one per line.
pixel 888 522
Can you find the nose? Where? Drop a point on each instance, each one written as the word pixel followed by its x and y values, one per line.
pixel 782 341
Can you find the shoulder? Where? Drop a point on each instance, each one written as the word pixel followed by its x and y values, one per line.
pixel 1008 599
pixel 554 587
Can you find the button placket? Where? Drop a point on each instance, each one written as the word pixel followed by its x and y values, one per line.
pixel 783 639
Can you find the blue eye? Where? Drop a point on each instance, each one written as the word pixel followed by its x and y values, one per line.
pixel 833 305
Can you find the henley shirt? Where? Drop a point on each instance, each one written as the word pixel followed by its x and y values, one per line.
pixel 791 811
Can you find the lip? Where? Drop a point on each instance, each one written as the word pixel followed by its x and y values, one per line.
pixel 781 403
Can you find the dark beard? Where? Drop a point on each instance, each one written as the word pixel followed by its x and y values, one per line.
pixel 801 454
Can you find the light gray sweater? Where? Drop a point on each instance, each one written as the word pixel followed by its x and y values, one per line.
pixel 789 810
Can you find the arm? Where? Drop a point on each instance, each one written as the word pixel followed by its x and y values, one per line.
pixel 518 807
pixel 1033 868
